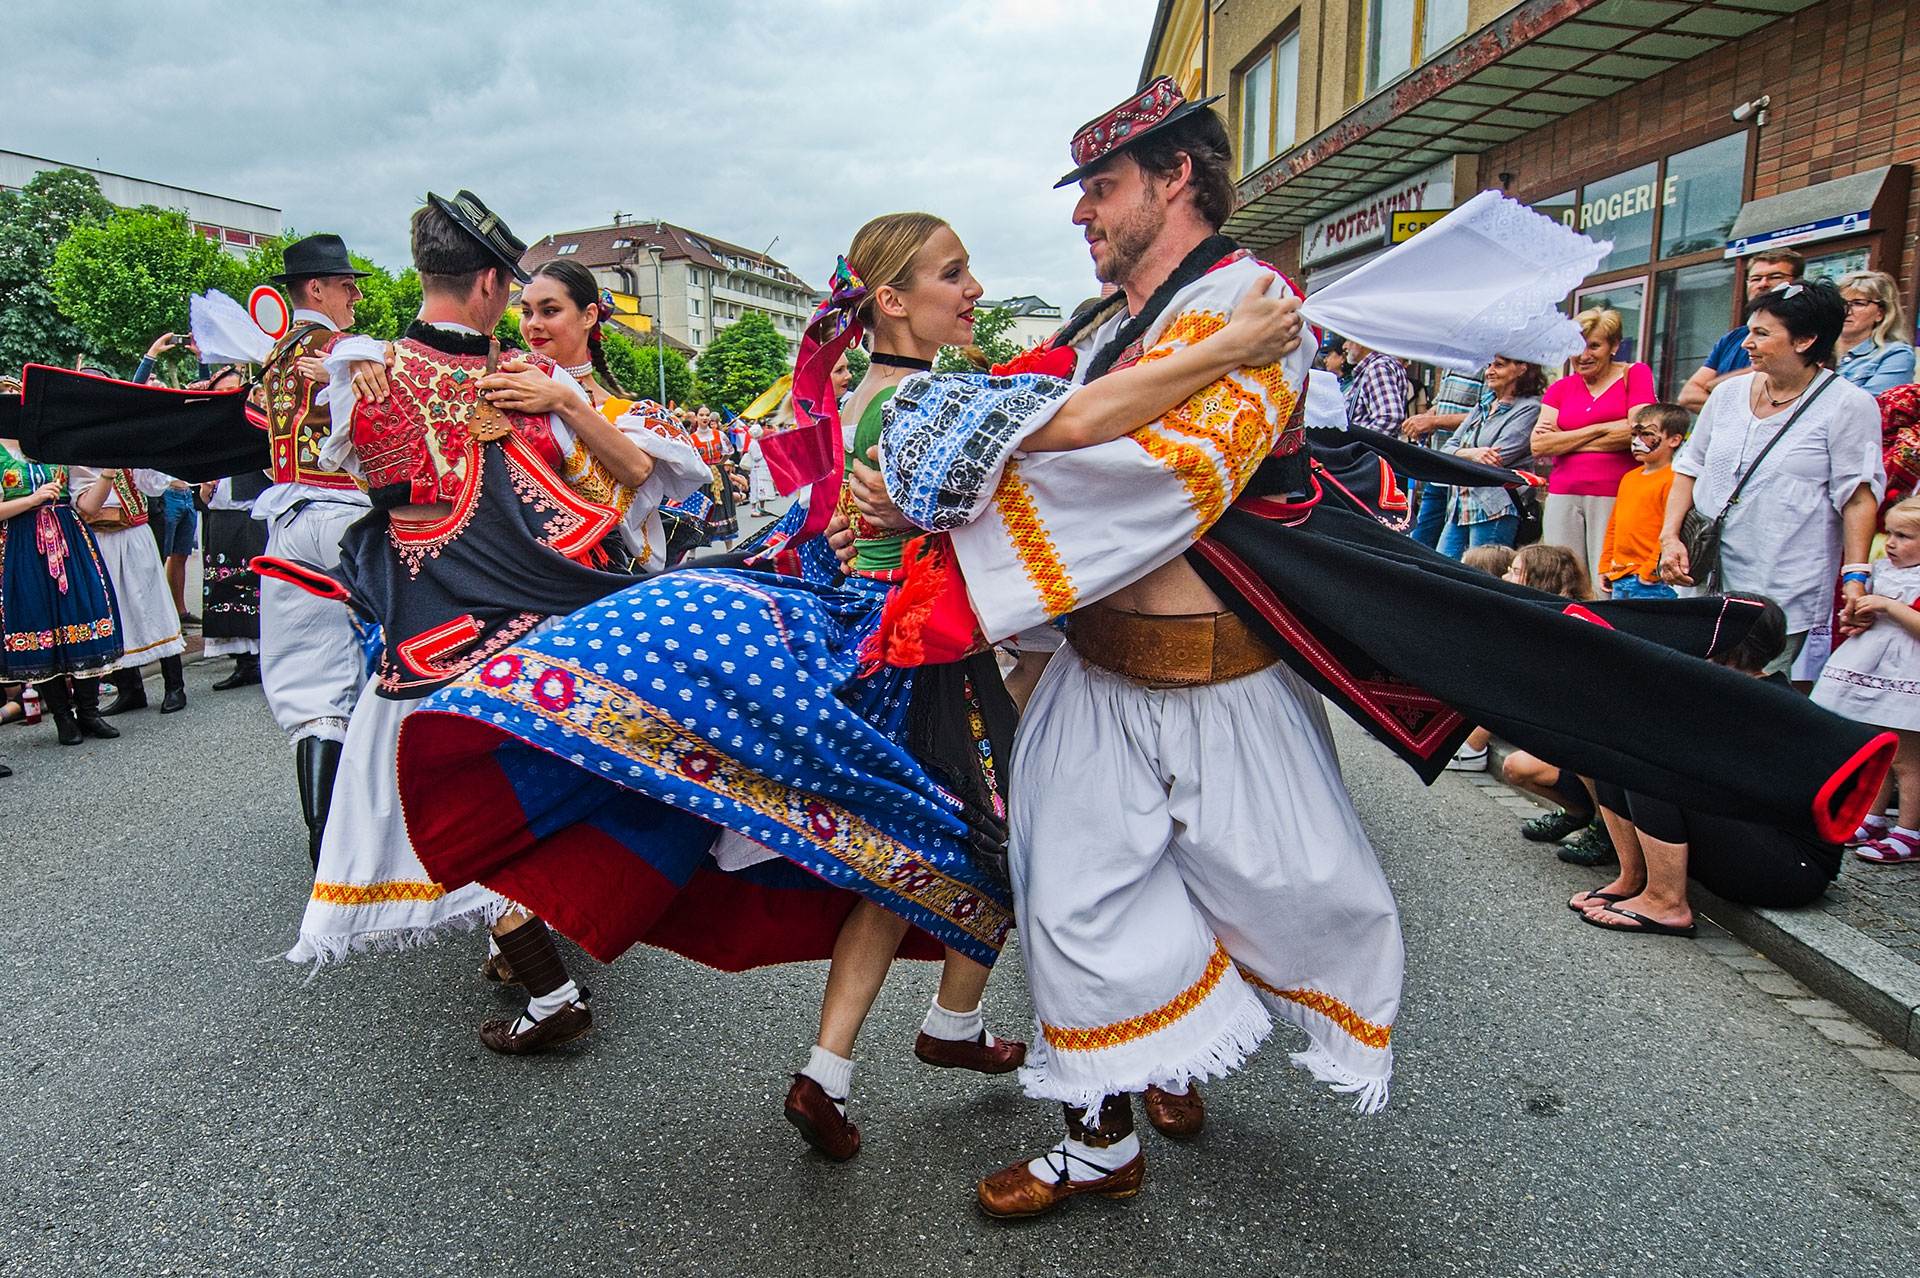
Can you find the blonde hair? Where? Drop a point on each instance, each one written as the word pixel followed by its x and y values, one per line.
pixel 1602 322
pixel 1492 559
pixel 1906 507
pixel 883 250
pixel 1879 287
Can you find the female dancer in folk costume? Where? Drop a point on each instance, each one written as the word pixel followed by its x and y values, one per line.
pixel 114 504
pixel 496 486
pixel 59 625
pixel 749 710
pixel 230 588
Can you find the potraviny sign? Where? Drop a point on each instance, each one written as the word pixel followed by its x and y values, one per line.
pixel 1368 224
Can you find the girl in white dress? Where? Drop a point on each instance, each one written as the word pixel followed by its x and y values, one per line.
pixel 1874 677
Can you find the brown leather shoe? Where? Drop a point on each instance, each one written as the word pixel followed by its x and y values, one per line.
pixel 1173 1116
pixel 1014 1192
pixel 820 1121
pixel 1002 1057
pixel 565 1025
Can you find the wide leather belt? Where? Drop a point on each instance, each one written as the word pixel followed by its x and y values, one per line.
pixel 1186 651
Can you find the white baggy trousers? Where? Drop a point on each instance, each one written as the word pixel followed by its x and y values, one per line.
pixel 1187 865
pixel 311 662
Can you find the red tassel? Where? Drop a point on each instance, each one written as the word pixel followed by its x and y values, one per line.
pixel 927 619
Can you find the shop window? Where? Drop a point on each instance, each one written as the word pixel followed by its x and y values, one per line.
pixel 1401 34
pixel 1629 297
pixel 1691 311
pixel 1700 196
pixel 1832 265
pixel 1620 208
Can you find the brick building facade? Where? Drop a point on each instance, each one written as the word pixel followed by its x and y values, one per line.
pixel 1686 131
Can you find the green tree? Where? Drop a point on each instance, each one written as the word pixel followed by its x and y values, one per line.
pixel 741 361
pixel 635 367
pixel 990 328
pixel 123 280
pixel 33 220
pixel 857 363
pixel 385 307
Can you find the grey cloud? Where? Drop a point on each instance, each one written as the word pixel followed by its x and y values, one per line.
pixel 745 120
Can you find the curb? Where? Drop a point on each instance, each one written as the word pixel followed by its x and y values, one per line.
pixel 1832 958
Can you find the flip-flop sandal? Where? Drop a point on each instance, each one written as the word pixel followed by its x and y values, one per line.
pixel 1608 897
pixel 1643 926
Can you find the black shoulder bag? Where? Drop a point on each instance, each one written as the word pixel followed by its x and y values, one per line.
pixel 1701 536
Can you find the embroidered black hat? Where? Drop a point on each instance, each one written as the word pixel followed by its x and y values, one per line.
pixel 314 256
pixel 1153 108
pixel 498 245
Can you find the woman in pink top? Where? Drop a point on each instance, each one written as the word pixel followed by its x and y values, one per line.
pixel 1583 425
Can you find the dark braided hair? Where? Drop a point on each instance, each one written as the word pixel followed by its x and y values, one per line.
pixel 584 291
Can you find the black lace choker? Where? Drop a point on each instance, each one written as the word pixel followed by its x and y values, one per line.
pixel 901 361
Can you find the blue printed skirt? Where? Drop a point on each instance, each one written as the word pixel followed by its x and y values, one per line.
pixel 57 611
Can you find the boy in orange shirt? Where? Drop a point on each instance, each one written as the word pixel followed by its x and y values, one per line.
pixel 1630 555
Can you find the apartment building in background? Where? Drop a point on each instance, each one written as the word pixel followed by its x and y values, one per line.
pixel 695 284
pixel 237 225
pixel 1687 132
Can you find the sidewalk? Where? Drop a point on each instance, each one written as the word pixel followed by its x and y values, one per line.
pixel 1858 946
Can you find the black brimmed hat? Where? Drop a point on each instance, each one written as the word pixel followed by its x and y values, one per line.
pixel 484 227
pixel 1155 107
pixel 314 256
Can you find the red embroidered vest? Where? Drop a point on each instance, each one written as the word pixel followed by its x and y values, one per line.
pixel 296 426
pixel 414 448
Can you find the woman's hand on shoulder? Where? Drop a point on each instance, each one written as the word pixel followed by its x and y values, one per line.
pixel 1265 326
pixel 519 387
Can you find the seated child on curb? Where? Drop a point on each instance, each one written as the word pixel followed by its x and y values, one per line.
pixel 1630 554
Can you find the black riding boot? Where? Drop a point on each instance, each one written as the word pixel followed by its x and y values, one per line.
pixel 315 761
pixel 129 692
pixel 246 670
pixel 173 677
pixel 86 709
pixel 59 703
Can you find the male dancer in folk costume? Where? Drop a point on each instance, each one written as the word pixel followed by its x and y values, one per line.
pixel 494 484
pixel 1187 864
pixel 312 662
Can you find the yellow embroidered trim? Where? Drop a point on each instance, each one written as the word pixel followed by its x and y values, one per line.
pixel 376 893
pixel 1120 1032
pixel 1195 470
pixel 1033 544
pixel 158 643
pixel 1349 1021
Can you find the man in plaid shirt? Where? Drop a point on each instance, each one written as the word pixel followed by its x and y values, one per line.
pixel 1377 395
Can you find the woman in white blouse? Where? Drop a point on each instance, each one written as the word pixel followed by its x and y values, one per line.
pixel 1809 508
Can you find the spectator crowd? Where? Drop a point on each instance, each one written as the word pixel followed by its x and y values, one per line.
pixel 1772 473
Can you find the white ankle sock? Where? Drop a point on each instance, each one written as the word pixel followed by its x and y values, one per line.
pixel 545 1005
pixel 833 1073
pixel 1904 832
pixel 958 1027
pixel 1083 1161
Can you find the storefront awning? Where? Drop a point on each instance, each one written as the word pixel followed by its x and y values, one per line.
pixel 1823 211
pixel 1540 60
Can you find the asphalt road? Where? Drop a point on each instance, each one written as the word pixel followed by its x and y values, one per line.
pixel 1567 1102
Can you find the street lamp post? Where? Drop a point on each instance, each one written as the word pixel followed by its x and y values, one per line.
pixel 659 339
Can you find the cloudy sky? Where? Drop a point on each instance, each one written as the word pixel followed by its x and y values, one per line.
pixel 745 119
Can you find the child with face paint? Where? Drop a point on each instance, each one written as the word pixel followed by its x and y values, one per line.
pixel 1874 677
pixel 1629 564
